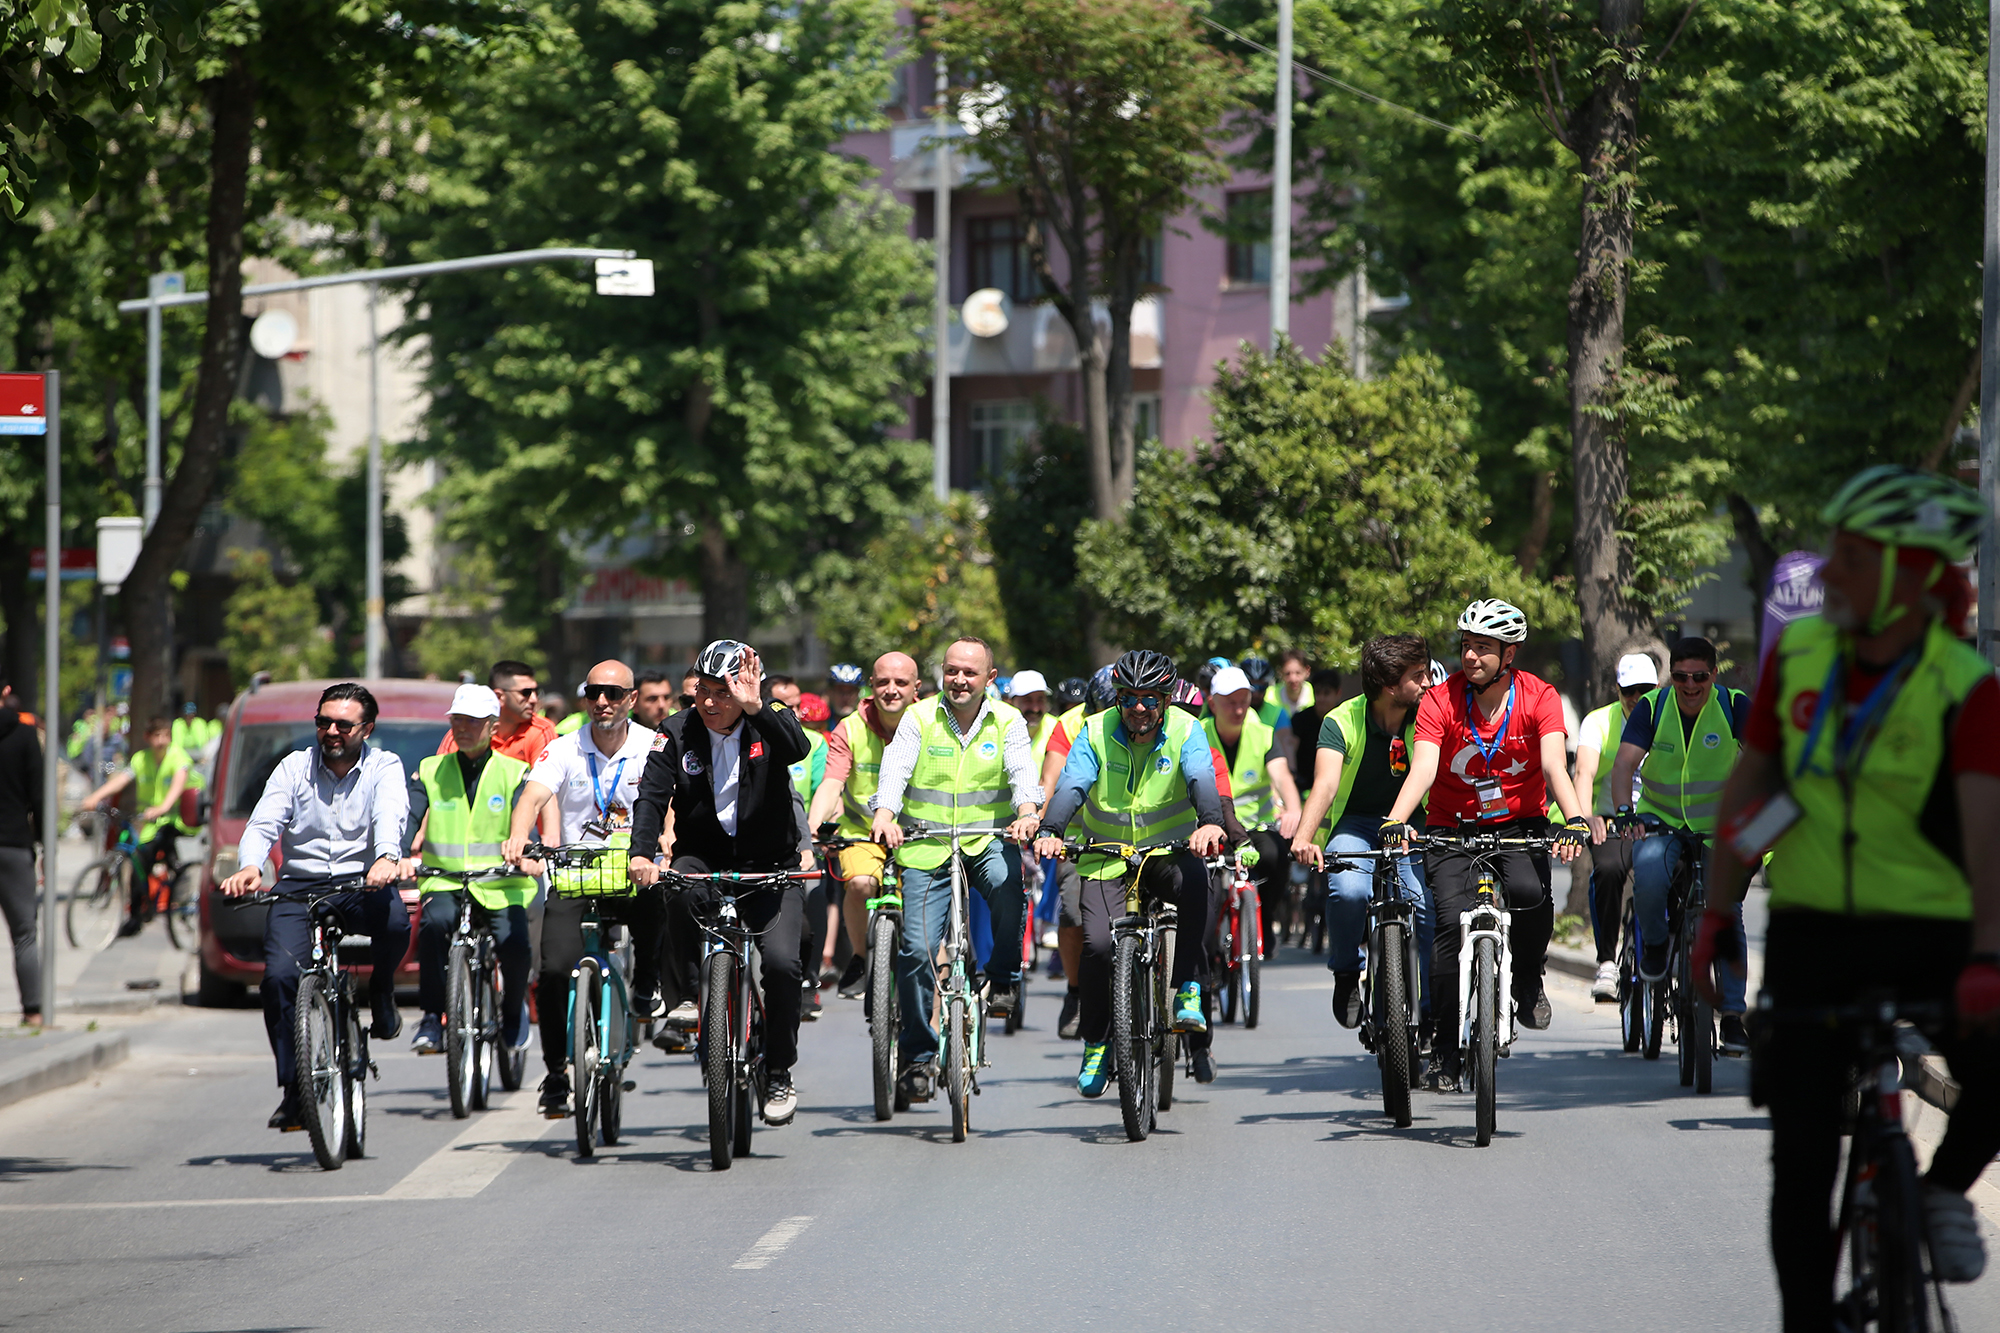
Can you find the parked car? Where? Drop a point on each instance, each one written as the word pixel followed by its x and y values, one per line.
pixel 264 724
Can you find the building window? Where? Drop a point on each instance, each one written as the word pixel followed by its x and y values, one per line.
pixel 998 430
pixel 999 257
pixel 1248 226
pixel 1145 417
pixel 1152 270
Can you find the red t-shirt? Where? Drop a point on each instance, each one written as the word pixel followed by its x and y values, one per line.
pixel 1441 720
pixel 1975 738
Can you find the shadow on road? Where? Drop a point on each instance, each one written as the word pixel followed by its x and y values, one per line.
pixel 14 1169
pixel 279 1163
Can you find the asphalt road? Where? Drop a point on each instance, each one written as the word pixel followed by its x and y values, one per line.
pixel 1278 1197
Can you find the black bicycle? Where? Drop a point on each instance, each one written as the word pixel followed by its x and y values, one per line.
pixel 882 1005
pixel 1645 1009
pixel 474 1047
pixel 1392 981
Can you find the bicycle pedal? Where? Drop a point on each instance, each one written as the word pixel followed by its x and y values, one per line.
pixel 629 1085
pixel 375 1071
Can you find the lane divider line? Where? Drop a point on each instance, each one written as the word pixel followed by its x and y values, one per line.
pixel 772 1243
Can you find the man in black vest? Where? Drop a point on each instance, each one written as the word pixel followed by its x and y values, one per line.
pixel 720 768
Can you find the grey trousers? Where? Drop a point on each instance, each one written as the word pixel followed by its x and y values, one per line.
pixel 19 899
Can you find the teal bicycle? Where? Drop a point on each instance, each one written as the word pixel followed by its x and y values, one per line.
pixel 603 1036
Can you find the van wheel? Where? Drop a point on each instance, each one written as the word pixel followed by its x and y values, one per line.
pixel 219 992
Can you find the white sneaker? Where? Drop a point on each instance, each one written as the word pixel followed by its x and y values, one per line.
pixel 684 1016
pixel 1606 985
pixel 781 1101
pixel 1957 1254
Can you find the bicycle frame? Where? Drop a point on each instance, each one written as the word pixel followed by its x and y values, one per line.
pixel 954 977
pixel 1386 906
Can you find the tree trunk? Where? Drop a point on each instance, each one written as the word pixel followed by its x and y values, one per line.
pixel 1763 556
pixel 1541 513
pixel 1091 361
pixel 232 100
pixel 1608 148
pixel 725 586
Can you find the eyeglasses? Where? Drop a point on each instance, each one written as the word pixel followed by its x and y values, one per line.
pixel 613 693
pixel 1147 703
pixel 339 724
pixel 1691 677
pixel 1632 691
pixel 526 690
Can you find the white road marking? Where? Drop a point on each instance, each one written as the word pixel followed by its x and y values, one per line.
pixel 772 1243
pixel 180 1203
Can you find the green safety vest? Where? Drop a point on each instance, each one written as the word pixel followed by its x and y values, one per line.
pixel 959 785
pixel 1607 758
pixel 863 778
pixel 1249 780
pixel 151 781
pixel 1681 780
pixel 1142 799
pixel 466 835
pixel 806 773
pixel 1038 738
pixel 1866 850
pixel 570 723
pixel 1352 719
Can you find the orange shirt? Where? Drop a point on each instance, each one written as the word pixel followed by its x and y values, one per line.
pixel 525 745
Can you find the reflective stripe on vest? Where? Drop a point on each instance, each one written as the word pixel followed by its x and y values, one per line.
pixel 1681 778
pixel 863 777
pixel 958 785
pixel 466 834
pixel 1140 799
pixel 1249 777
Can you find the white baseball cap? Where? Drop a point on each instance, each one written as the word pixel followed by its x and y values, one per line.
pixel 1637 669
pixel 1026 682
pixel 1228 681
pixel 474 701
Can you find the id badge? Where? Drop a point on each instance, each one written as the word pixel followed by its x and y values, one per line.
pixel 1492 805
pixel 1756 830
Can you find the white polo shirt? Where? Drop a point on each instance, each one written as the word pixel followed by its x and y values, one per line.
pixel 587 782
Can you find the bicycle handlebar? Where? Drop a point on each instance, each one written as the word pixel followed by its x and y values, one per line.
pixel 750 880
pixel 913 831
pixel 469 876
pixel 312 893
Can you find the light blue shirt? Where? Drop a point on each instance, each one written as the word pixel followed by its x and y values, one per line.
pixel 327 828
pixel 1079 771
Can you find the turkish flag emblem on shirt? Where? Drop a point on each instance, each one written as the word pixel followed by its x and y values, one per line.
pixel 756 750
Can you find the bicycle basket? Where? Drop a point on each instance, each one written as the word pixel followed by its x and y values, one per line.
pixel 606 879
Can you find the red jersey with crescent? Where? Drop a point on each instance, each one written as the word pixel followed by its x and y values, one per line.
pixel 1441 720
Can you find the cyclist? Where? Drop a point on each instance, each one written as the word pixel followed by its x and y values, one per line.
pixel 589 782
pixel 805 775
pixel 1258 770
pixel 1098 695
pixel 1295 691
pixel 1682 756
pixel 463 804
pixel 158 775
pixel 1881 730
pixel 1505 731
pixel 523 732
pixel 333 811
pixel 719 769
pixel 654 700
pixel 843 689
pixel 961 760
pixel 1363 755
pixel 1610 858
pixel 1028 692
pixel 1257 670
pixel 1141 774
pixel 853 771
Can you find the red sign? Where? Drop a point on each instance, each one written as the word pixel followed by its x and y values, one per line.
pixel 76 562
pixel 625 586
pixel 23 405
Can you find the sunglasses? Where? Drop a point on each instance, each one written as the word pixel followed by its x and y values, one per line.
pixel 613 693
pixel 341 725
pixel 1691 677
pixel 1147 703
pixel 526 690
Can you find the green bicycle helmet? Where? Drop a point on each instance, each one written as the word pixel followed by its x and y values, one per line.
pixel 1899 506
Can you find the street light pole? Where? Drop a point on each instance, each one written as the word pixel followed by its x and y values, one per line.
pixel 377 634
pixel 941 330
pixel 51 684
pixel 1989 355
pixel 1281 185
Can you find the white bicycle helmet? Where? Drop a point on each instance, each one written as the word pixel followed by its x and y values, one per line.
pixel 1494 619
pixel 721 659
pixel 1438 672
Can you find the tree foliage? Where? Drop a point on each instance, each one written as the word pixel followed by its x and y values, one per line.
pixel 272 626
pixel 1039 502
pixel 920 585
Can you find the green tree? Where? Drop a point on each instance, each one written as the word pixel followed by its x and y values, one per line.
pixel 1038 503
pixel 1327 511
pixel 919 585
pixel 271 626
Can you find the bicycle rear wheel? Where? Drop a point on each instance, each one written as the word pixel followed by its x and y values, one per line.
pixel 1697 1022
pixel 957 1071
pixel 357 1082
pixel 1653 1005
pixel 184 908
pixel 1485 1036
pixel 585 1057
pixel 1250 976
pixel 319 1073
pixel 1392 1047
pixel 1631 1002
pixel 97 902
pixel 461 1047
pixel 1167 1043
pixel 1131 1037
pixel 718 1051
pixel 882 1012
pixel 485 1030
pixel 751 1090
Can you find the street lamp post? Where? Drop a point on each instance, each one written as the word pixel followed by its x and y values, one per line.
pixel 1989 355
pixel 941 314
pixel 1281 184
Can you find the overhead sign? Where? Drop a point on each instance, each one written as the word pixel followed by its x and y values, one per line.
pixel 76 563
pixel 624 277
pixel 23 405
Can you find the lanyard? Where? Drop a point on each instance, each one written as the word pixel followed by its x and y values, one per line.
pixel 1486 752
pixel 1856 735
pixel 597 793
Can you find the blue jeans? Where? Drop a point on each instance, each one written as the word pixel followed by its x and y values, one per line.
pixel 1653 864
pixel 995 874
pixel 1348 894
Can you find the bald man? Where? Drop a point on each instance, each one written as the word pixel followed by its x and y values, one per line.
pixel 853 769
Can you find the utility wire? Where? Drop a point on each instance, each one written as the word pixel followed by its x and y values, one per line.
pixel 1345 87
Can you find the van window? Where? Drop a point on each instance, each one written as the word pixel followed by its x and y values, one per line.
pixel 261 746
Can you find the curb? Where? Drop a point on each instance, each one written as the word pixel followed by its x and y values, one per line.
pixel 69 1062
pixel 1572 962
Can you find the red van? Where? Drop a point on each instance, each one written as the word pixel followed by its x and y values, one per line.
pixel 263 726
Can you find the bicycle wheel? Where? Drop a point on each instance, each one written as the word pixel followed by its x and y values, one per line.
pixel 882 1013
pixel 1229 945
pixel 1251 975
pixel 1166 1043
pixel 1653 1005
pixel 511 1060
pixel 957 1073
pixel 1392 1048
pixel 184 909
pixel 485 1034
pixel 97 902
pixel 319 1076
pixel 611 1105
pixel 357 1082
pixel 1131 1037
pixel 584 1055
pixel 718 1054
pixel 461 1049
pixel 751 1091
pixel 1485 1036
pixel 1631 1002
pixel 1697 1020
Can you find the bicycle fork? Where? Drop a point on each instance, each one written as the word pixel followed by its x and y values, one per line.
pixel 1486 921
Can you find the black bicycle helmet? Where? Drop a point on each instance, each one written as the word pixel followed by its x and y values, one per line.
pixel 1258 669
pixel 1100 694
pixel 1070 693
pixel 1144 669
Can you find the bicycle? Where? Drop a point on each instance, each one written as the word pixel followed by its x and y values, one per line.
pixel 1881 1225
pixel 1239 939
pixel 1144 1048
pixel 1645 1007
pixel 1393 981
pixel 473 1023
pixel 731 1041
pixel 329 1032
pixel 602 1034
pixel 883 1005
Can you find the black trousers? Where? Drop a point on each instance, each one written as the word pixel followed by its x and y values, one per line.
pixel 1273 877
pixel 1181 880
pixel 158 848
pixel 1610 868
pixel 1819 958
pixel 562 950
pixel 377 913
pixel 435 924
pixel 1524 885
pixel 778 917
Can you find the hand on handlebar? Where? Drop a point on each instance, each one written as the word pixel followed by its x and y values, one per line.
pixel 1395 835
pixel 1570 839
pixel 1599 830
pixel 246 880
pixel 1048 845
pixel 1022 830
pixel 1308 853
pixel 1288 823
pixel 1207 840
pixel 386 871
pixel 886 830
pixel 643 872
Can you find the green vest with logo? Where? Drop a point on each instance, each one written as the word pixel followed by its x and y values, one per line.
pixel 1351 718
pixel 151 781
pixel 957 785
pixel 1138 798
pixel 466 834
pixel 804 772
pixel 1249 779
pixel 1863 850
pixel 863 778
pixel 1681 778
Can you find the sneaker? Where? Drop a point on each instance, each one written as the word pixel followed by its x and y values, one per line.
pixel 1347 999
pixel 854 978
pixel 1188 1016
pixel 1442 1076
pixel 430 1036
pixel 286 1118
pixel 1735 1037
pixel 781 1099
pixel 809 1009
pixel 646 1005
pixel 684 1016
pixel 1004 1000
pixel 1204 1066
pixel 827 976
pixel 670 1041
pixel 1095 1076
pixel 1067 1025
pixel 1531 1004
pixel 1957 1254
pixel 1054 971
pixel 1653 962
pixel 388 1022
pixel 1606 986
pixel 916 1081
pixel 555 1096
pixel 133 925
pixel 518 1030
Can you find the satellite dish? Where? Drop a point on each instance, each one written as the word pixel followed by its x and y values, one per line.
pixel 274 333
pixel 985 312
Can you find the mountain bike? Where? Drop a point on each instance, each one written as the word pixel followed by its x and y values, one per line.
pixel 731 1040
pixel 1239 939
pixel 1694 1017
pixel 473 1024
pixel 1881 1230
pixel 101 894
pixel 882 1005
pixel 602 1034
pixel 1393 981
